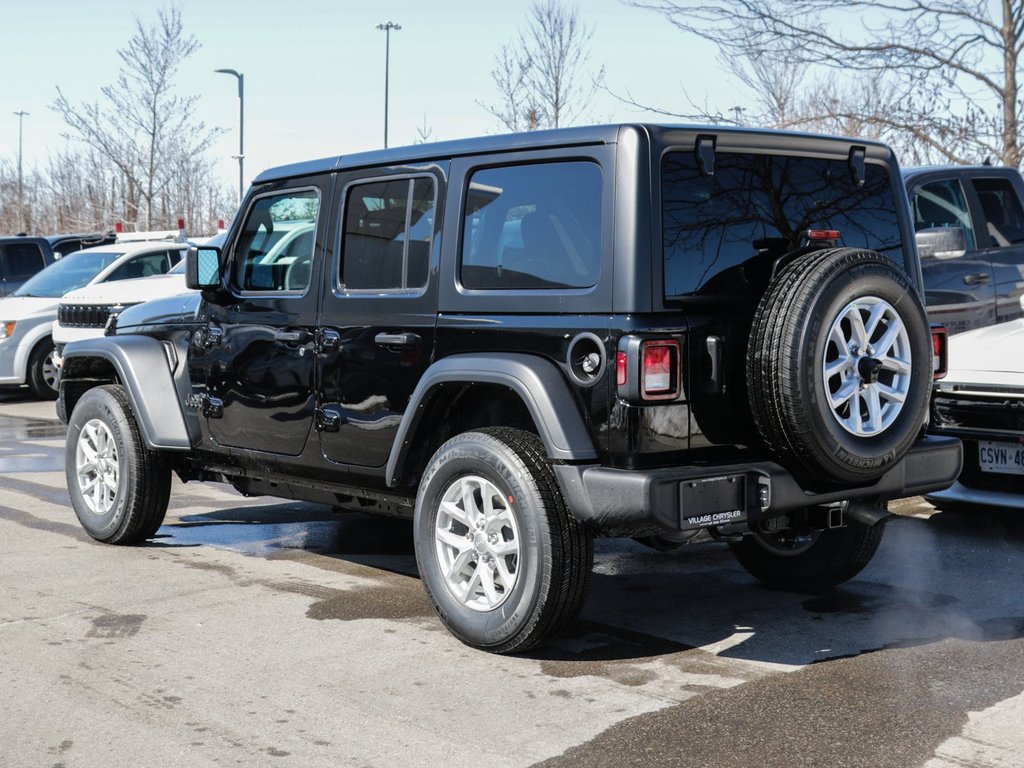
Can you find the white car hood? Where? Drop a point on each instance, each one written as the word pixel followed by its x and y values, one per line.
pixel 992 356
pixel 132 291
pixel 23 307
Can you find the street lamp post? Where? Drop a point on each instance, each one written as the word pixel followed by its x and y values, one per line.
pixel 387 27
pixel 241 128
pixel 21 191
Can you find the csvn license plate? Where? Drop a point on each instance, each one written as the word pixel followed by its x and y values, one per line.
pixel 1005 458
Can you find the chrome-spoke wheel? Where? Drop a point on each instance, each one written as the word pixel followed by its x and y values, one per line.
pixel 476 538
pixel 49 370
pixel 97 466
pixel 866 367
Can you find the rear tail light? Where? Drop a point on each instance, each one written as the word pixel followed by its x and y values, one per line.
pixel 659 370
pixel 823 234
pixel 118 227
pixel 940 351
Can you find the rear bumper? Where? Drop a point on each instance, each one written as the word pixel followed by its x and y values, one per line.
pixel 631 502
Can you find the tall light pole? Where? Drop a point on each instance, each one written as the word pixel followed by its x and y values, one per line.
pixel 387 26
pixel 21 192
pixel 241 129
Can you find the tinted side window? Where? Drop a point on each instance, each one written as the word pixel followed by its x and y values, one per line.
pixel 1003 216
pixel 23 260
pixel 275 248
pixel 533 226
pixel 721 232
pixel 388 229
pixel 942 205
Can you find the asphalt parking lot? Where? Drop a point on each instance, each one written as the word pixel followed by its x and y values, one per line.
pixel 254 631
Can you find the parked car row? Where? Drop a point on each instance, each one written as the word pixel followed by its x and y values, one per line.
pixel 27 317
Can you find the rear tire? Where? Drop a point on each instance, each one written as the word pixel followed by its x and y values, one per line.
pixel 41 374
pixel 119 488
pixel 806 560
pixel 504 563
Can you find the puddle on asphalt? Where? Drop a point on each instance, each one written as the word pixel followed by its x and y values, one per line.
pixel 45 463
pixel 13 429
pixel 269 530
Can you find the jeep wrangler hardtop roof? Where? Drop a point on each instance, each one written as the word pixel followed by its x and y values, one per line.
pixel 558 137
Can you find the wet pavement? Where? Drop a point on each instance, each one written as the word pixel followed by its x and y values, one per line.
pixel 269 632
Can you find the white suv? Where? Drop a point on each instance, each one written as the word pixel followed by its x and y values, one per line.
pixel 83 313
pixel 26 318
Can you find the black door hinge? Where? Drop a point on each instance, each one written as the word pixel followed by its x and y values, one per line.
pixel 326 340
pixel 328 420
pixel 213 407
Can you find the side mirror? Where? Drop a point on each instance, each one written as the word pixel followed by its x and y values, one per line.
pixel 941 242
pixel 202 267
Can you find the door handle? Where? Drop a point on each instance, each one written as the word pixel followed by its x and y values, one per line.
pixel 397 339
pixel 977 278
pixel 293 337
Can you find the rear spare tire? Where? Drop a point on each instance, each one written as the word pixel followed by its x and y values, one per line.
pixel 839 366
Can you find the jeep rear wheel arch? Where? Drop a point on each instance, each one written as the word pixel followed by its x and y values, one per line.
pixel 537 382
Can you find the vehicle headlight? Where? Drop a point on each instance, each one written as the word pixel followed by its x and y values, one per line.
pixel 7 329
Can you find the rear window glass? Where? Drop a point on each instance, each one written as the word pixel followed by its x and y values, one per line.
pixel 720 233
pixel 533 227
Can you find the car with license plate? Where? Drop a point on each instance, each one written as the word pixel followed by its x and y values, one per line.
pixel 671 333
pixel 981 401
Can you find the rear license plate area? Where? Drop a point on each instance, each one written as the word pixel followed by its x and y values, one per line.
pixel 712 501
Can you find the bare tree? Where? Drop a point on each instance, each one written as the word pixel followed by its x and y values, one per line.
pixel 950 66
pixel 140 126
pixel 542 78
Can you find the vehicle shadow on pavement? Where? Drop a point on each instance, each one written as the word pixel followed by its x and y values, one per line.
pixel 921 588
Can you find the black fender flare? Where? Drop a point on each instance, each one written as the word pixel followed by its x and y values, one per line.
pixel 144 369
pixel 539 383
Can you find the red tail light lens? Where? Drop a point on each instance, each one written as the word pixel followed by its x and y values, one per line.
pixel 659 370
pixel 823 234
pixel 940 351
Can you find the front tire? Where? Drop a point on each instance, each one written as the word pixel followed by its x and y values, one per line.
pixel 42 371
pixel 809 560
pixel 119 488
pixel 504 563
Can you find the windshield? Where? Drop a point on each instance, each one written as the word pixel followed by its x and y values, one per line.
pixel 71 272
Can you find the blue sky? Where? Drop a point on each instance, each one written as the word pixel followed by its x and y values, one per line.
pixel 314 71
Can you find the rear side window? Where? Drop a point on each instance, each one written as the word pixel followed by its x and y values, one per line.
pixel 23 260
pixel 720 233
pixel 533 226
pixel 389 226
pixel 1003 216
pixel 275 248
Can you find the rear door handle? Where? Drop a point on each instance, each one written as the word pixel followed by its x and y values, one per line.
pixel 977 278
pixel 293 337
pixel 397 339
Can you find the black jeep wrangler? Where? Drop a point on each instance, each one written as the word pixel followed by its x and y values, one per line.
pixel 524 341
